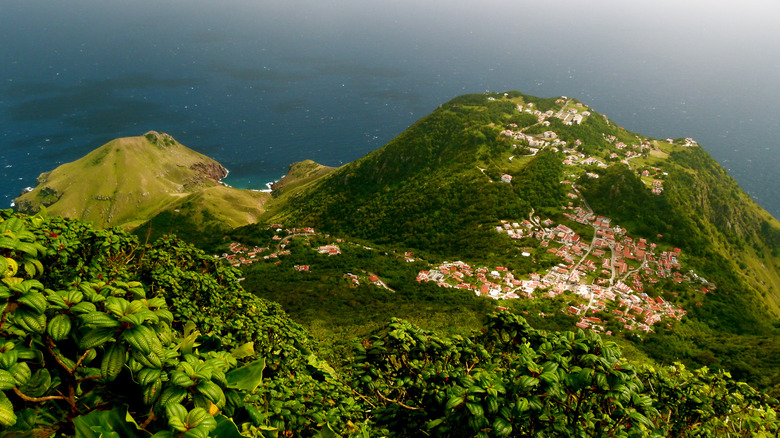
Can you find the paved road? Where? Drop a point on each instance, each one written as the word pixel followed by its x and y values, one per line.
pixel 288 237
pixel 560 112
pixel 382 283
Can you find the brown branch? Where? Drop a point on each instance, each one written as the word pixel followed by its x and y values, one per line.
pixel 151 417
pixel 38 399
pixel 365 399
pixel 81 359
pixel 9 310
pixel 50 347
pixel 616 425
pixel 398 402
pixel 72 397
pixel 88 378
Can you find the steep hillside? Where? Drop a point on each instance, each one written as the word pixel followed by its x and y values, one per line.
pixel 432 187
pixel 203 217
pixel 130 180
pixel 438 186
pixel 659 215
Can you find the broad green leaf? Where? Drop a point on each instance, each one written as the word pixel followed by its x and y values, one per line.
pixel 320 365
pixel 243 350
pixel 636 416
pixel 7 380
pixel 177 415
pixel 476 409
pixel 8 359
pixel 7 416
pixel 38 384
pixel 197 416
pixel 453 403
pixel 502 427
pixel 96 337
pixel 102 424
pixel 248 377
pixel 21 373
pixel 226 428
pixel 98 319
pixel 434 423
pixel 326 432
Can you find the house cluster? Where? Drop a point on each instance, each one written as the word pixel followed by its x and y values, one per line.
pixel 687 142
pixel 609 273
pixel 534 142
pixel 239 254
pixel 541 116
pixel 627 151
pixel 625 252
pixel 632 311
pixel 514 229
pixel 578 158
pixel 497 283
pixel 329 250
pixel 572 115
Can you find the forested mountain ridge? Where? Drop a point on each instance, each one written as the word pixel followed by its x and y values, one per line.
pixel 437 189
pixel 436 186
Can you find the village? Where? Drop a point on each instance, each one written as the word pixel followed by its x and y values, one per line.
pixel 608 273
pixel 576 113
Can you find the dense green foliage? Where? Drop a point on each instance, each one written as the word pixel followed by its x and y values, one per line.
pixel 621 195
pixel 434 188
pixel 102 335
pixel 512 380
pixel 424 186
pixel 358 310
pixel 714 334
pixel 539 183
pixel 97 329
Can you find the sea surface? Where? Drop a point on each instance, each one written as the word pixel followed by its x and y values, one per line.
pixel 258 85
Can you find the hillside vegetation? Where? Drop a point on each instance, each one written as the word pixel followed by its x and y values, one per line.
pixel 436 190
pixel 103 336
pixel 128 181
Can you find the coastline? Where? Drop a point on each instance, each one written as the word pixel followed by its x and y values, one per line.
pixel 247 184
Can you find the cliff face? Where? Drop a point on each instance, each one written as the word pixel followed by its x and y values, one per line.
pixel 211 170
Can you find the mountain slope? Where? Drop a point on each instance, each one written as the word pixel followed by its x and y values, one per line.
pixel 443 186
pixel 130 180
pixel 425 186
pixel 437 186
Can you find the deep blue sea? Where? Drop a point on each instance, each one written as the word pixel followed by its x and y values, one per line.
pixel 260 84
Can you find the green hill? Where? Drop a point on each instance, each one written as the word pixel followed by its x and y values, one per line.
pixel 437 190
pixel 129 181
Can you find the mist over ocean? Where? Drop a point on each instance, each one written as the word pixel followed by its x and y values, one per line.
pixel 258 85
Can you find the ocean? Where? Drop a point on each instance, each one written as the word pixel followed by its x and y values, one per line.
pixel 258 85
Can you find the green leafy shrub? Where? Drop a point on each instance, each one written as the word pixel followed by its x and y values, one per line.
pixel 86 348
